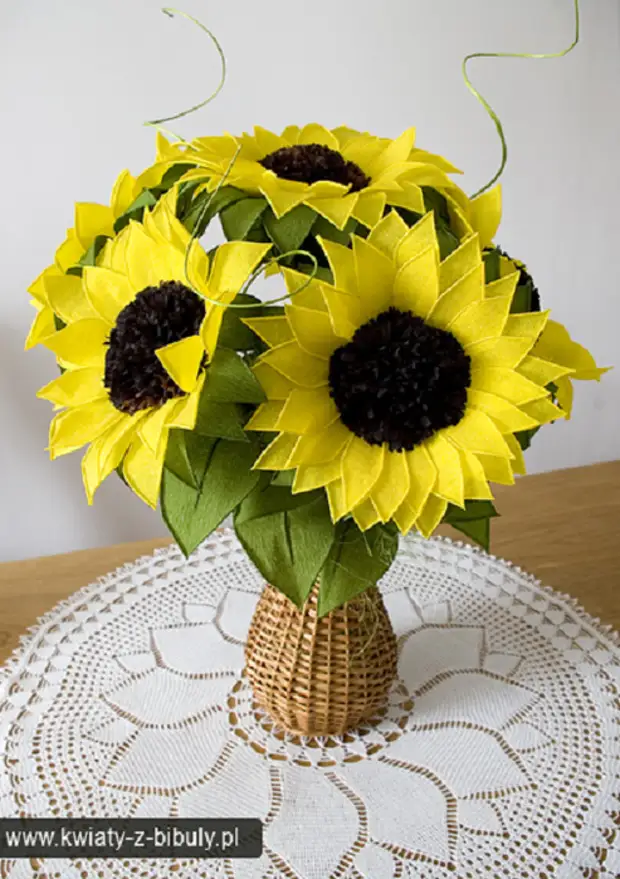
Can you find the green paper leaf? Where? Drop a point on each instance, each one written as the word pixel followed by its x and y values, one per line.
pixel 290 231
pixel 522 301
pixel 357 561
pixel 192 514
pixel 474 520
pixel 173 175
pixel 224 420
pixel 492 265
pixel 525 437
pixel 448 241
pixel 239 218
pixel 230 380
pixel 146 199
pixel 322 228
pixel 288 537
pixel 478 529
pixel 187 455
pixel 196 211
pixel 435 201
pixel 233 333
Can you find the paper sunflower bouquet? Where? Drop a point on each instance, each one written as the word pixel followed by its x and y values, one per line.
pixel 398 374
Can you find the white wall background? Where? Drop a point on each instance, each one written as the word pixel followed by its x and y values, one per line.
pixel 77 78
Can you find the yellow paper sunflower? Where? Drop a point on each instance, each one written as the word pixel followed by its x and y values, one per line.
pixel 91 221
pixel 400 386
pixel 339 173
pixel 137 345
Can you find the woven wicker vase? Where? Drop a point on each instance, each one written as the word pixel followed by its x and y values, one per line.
pixel 323 676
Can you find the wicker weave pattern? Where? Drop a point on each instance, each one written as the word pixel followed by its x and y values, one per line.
pixel 320 676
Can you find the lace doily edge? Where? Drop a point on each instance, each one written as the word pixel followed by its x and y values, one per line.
pixel 18 658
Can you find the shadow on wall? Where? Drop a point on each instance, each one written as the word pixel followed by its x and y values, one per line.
pixel 116 516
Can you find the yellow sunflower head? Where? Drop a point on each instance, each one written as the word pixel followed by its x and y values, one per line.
pixel 140 332
pixel 400 386
pixel 341 174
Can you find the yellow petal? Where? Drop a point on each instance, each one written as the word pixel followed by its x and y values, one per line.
pixel 303 290
pixel 542 372
pixel 460 262
pixel 366 515
pixel 108 291
pixel 272 330
pixel 505 414
pixel 233 264
pixel 555 344
pixel 153 429
pixel 185 412
pixel 526 326
pixel 504 286
pixel 73 428
pixel 482 320
pixel 396 151
pixel 266 417
pixel 388 233
pixel 499 470
pixel 416 285
pixel 361 468
pixel 419 238
pixel 506 383
pixel 92 220
pixel 477 432
pixel 341 263
pixel 466 291
pixel 544 411
pixel 447 462
pixel 408 195
pixel 375 276
pixel 307 411
pixel 74 388
pixel 518 463
pixel 142 470
pixel 273 383
pixel 182 360
pixel 337 210
pixel 81 343
pixel 506 351
pixel 422 478
pixel 321 447
pixel 124 193
pixel 277 453
pixel 70 251
pixel 335 498
pixel 564 395
pixel 301 368
pixel 475 482
pixel 308 478
pixel 345 310
pixel 369 207
pixel 66 295
pixel 431 516
pixel 393 486
pixel 314 133
pixel 486 214
pixel 313 331
pixel 43 326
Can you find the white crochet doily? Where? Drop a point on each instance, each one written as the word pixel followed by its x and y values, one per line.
pixel 496 757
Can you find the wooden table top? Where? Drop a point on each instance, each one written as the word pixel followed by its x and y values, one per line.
pixel 563 527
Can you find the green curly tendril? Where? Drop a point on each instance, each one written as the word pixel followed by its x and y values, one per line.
pixel 495 118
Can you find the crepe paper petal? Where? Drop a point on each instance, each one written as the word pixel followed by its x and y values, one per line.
pixel 81 343
pixel 416 286
pixel 419 238
pixel 486 214
pixel 274 384
pixel 92 220
pixel 303 369
pixel 327 189
pixel 555 344
pixel 393 487
pixel 182 360
pixel 528 326
pixel 304 290
pixel 544 411
pixel 477 432
pixel 375 276
pixel 73 428
pixel 482 320
pixel 185 412
pixel 366 515
pixel 460 262
pixel 505 286
pixel 315 133
pixel 508 351
pixel 233 263
pixel 444 165
pixel 336 500
pixel 475 483
pixel 153 428
pixel 267 141
pixel 422 478
pixel 43 326
pixel 388 233
pixel 337 210
pixel 499 470
pixel 105 454
pixel 466 291
pixel 345 310
pixel 543 372
pixel 145 264
pixel 369 207
pixel 447 462
pixel 272 330
pixel 518 462
pixel 70 252
pixel 37 288
pixel 66 297
pixel 74 388
pixel 431 516
pixel 108 292
pixel 123 193
pixel 361 468
pixel 313 476
pixel 277 453
pixel 307 412
pixel 564 395
pixel 409 196
pixel 459 222
pixel 313 331
pixel 508 416
pixel 405 517
pixel 506 383
pixel 266 416
pixel 341 263
pixel 210 328
pixel 142 471
pixel 396 151
pixel 322 447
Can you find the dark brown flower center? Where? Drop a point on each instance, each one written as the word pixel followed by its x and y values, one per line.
pixel 399 380
pixel 311 162
pixel 158 316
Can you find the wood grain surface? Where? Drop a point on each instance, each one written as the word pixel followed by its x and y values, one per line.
pixel 564 527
